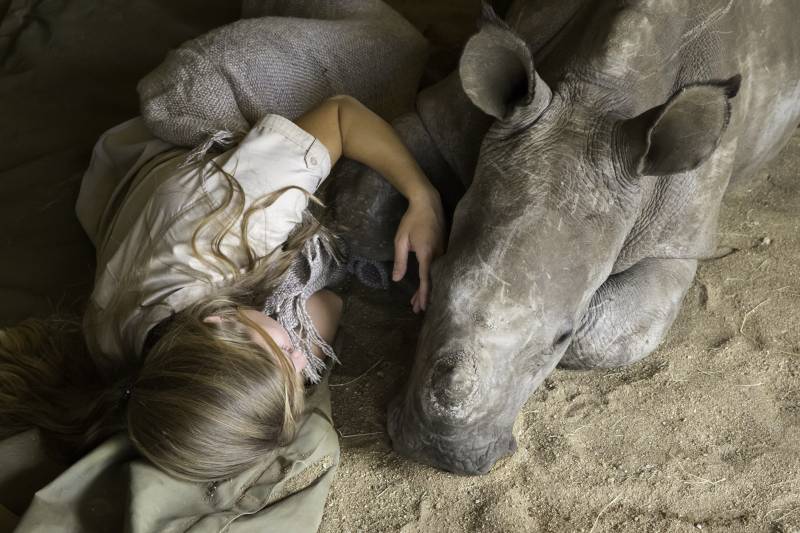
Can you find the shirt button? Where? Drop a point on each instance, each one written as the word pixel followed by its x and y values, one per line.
pixel 313 161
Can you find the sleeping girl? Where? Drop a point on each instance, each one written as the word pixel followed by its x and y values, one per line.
pixel 209 310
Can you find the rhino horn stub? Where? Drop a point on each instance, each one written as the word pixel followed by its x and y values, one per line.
pixel 498 75
pixel 454 384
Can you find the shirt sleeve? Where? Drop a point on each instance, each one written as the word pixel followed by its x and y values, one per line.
pixel 277 153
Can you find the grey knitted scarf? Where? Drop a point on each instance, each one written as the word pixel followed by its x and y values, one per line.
pixel 318 265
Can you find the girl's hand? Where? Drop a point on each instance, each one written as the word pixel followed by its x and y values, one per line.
pixel 347 128
pixel 421 231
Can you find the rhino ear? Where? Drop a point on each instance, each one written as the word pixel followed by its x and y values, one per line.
pixel 681 134
pixel 497 73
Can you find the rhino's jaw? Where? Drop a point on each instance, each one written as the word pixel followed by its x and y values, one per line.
pixel 454 415
pixel 467 453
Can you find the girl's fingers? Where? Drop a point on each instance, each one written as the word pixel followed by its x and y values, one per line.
pixel 400 257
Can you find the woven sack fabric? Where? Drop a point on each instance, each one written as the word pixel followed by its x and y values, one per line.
pixel 287 60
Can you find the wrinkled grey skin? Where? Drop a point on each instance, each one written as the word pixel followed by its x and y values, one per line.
pixel 596 191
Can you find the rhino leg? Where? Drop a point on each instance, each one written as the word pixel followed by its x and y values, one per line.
pixel 630 314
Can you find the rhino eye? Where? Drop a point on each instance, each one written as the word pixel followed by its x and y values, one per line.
pixel 563 337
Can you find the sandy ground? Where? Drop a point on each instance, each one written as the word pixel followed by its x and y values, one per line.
pixel 702 435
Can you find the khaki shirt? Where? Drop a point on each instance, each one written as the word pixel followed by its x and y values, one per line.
pixel 140 207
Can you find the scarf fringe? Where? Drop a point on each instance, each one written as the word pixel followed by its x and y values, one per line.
pixel 319 264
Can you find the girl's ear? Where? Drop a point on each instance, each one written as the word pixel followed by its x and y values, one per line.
pixel 298 360
pixel 213 319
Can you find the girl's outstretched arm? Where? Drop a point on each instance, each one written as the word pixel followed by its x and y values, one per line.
pixel 348 128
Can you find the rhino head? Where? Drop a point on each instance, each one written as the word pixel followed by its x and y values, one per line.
pixel 555 193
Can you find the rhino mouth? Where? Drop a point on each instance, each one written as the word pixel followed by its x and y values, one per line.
pixel 470 455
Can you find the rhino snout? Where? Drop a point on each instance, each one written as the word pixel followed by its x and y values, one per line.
pixel 443 418
pixel 465 455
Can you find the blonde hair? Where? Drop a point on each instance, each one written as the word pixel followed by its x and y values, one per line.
pixel 205 401
pixel 208 401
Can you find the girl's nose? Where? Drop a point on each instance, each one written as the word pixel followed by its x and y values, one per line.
pixel 298 359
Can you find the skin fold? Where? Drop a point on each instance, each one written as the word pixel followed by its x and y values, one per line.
pixel 595 141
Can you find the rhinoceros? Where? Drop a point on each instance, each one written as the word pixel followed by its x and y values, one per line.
pixel 595 140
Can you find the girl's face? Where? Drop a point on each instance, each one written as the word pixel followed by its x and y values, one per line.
pixel 278 334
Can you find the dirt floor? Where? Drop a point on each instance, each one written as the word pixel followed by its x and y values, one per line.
pixel 702 435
